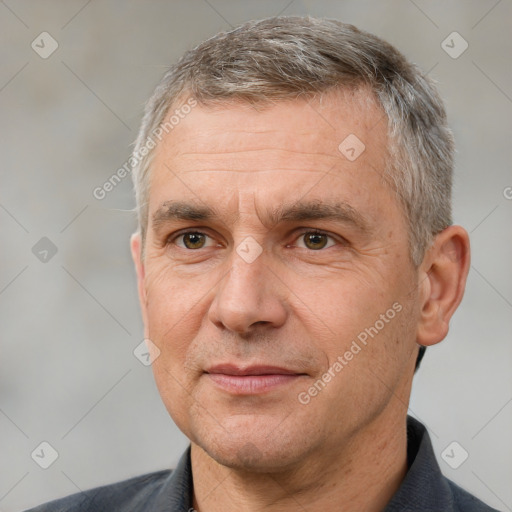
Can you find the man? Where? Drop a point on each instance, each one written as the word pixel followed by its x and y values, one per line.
pixel 295 255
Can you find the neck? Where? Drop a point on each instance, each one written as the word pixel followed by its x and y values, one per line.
pixel 362 475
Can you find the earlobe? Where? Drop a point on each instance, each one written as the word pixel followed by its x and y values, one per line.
pixel 442 282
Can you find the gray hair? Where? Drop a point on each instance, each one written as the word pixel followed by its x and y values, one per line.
pixel 290 57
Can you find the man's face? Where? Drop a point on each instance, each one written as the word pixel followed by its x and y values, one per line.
pixel 249 275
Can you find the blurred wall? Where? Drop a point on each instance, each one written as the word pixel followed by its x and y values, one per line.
pixel 70 317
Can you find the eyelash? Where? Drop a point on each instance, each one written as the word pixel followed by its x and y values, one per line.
pixel 172 238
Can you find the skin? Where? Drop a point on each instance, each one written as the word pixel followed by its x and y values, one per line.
pixel 298 305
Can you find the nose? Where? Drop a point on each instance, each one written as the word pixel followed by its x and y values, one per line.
pixel 249 295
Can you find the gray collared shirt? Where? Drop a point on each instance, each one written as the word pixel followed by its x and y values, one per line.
pixel 424 488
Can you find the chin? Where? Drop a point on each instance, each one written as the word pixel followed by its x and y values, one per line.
pixel 249 457
pixel 253 449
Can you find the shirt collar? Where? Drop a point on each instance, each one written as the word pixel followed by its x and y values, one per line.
pixel 177 491
pixel 423 488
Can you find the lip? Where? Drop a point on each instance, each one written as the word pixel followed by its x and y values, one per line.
pixel 250 380
pixel 231 369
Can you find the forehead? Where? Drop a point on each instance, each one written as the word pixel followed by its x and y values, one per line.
pixel 323 122
pixel 333 147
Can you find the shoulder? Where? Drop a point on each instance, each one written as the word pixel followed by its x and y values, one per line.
pixel 122 496
pixel 425 488
pixel 466 502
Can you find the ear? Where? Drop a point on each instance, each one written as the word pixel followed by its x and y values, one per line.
pixel 136 249
pixel 442 280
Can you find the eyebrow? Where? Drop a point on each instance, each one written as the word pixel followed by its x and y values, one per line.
pixel 339 211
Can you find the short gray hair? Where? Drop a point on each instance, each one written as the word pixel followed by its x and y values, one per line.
pixel 292 57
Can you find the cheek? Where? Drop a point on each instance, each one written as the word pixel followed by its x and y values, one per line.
pixel 175 390
pixel 174 309
pixel 361 317
pixel 342 305
pixel 174 313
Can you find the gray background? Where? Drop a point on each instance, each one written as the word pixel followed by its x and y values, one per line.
pixel 69 325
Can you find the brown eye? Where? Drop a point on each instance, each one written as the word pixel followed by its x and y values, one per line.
pixel 193 240
pixel 315 240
